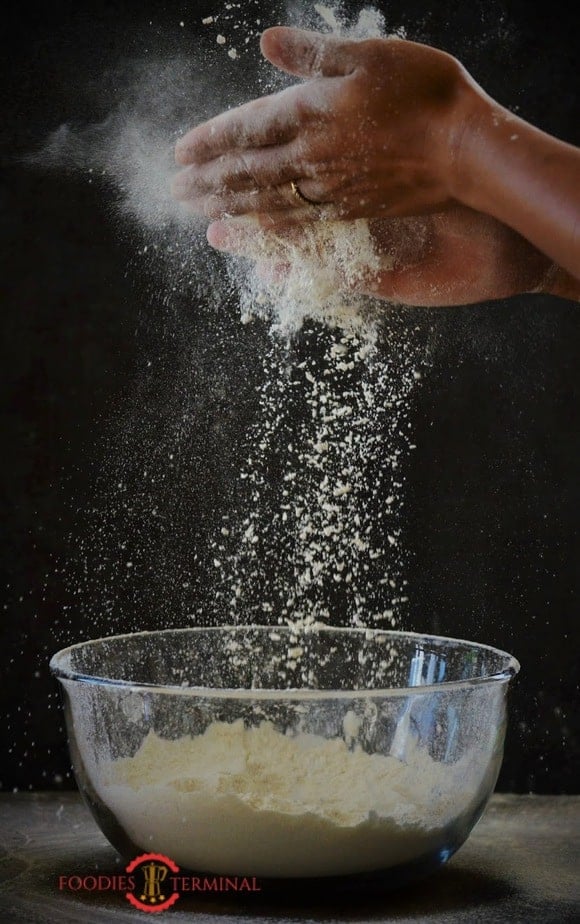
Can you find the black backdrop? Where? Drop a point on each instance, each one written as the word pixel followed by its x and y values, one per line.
pixel 100 371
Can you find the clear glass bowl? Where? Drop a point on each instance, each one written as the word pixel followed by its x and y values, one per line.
pixel 287 753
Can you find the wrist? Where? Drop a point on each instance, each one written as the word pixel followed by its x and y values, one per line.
pixel 507 168
pixel 478 126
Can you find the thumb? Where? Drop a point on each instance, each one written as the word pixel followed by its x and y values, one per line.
pixel 307 54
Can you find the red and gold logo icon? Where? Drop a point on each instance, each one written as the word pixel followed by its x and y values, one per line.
pixel 152 882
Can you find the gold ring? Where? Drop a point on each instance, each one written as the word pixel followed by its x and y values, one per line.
pixel 300 195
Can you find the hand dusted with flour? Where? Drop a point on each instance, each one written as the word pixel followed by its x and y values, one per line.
pixel 385 128
pixel 371 134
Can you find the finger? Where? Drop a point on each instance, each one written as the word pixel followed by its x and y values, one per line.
pixel 272 273
pixel 237 237
pixel 279 203
pixel 247 237
pixel 269 120
pixel 252 235
pixel 268 201
pixel 308 54
pixel 236 172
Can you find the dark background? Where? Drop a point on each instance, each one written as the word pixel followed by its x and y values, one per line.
pixel 120 398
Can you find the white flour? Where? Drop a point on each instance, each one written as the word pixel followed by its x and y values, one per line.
pixel 321 491
pixel 253 801
pixel 324 270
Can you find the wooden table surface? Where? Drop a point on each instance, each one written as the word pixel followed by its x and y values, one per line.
pixel 521 863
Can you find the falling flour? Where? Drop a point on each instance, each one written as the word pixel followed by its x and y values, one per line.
pixel 316 533
pixel 241 800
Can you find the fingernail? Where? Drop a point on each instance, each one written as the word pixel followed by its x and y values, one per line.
pixel 218 235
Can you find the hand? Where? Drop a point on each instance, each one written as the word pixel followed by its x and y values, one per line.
pixel 372 134
pixel 455 257
pixel 392 128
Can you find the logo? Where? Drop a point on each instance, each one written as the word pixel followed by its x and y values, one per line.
pixel 151 882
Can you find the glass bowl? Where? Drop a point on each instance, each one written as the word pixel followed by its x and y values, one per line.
pixel 286 753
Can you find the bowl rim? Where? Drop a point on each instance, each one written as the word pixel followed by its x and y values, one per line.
pixel 62 673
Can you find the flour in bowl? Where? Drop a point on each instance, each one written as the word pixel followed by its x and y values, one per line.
pixel 241 800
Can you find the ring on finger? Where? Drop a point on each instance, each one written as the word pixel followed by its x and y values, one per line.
pixel 299 195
